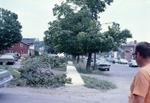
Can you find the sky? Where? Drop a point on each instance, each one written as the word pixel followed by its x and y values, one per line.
pixel 34 16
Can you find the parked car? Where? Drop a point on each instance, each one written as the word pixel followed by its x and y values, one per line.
pixel 115 60
pixel 15 55
pixel 102 64
pixel 7 59
pixel 123 61
pixel 5 77
pixel 133 63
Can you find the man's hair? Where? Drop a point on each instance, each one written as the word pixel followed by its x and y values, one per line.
pixel 144 49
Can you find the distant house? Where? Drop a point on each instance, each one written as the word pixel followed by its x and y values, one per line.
pixel 127 50
pixel 21 48
pixel 25 47
pixel 31 42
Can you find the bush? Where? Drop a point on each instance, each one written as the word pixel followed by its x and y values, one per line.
pixel 53 62
pixel 37 73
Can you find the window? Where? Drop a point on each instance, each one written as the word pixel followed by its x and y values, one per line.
pixel 21 45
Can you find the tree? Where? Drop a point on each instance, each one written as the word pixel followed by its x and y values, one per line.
pixel 77 33
pixel 73 32
pixel 95 7
pixel 10 29
pixel 118 36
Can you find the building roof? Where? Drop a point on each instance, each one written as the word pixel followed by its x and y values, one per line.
pixel 29 41
pixel 25 43
pixel 130 44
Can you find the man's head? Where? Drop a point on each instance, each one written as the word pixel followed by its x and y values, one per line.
pixel 142 53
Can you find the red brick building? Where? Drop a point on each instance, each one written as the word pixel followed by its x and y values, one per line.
pixel 128 50
pixel 20 48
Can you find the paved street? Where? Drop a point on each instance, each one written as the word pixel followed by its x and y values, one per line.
pixel 121 75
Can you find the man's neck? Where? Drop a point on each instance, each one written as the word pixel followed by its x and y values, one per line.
pixel 146 62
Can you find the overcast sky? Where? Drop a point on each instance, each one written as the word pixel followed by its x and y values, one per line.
pixel 34 16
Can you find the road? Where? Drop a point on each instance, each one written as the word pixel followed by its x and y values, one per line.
pixel 121 75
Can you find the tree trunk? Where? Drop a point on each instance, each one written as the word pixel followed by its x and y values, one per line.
pixel 88 65
pixel 78 59
pixel 94 61
pixel 74 58
pixel 94 67
pixel 82 59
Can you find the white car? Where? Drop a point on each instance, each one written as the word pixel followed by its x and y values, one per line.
pixel 102 64
pixel 15 55
pixel 133 63
pixel 123 61
pixel 7 59
pixel 5 77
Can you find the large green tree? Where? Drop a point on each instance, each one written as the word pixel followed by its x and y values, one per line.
pixel 95 7
pixel 65 31
pixel 10 29
pixel 76 32
pixel 73 32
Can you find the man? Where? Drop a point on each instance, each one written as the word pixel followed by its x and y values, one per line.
pixel 140 88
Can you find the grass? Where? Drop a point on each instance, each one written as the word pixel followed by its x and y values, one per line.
pixel 98 84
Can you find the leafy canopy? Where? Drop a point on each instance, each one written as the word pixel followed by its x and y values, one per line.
pixel 10 29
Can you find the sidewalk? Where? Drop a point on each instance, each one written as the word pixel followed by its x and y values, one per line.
pixel 72 73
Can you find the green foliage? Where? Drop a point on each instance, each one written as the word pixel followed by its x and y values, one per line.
pixel 116 37
pixel 46 61
pixel 98 84
pixel 10 29
pixel 36 72
pixel 95 6
pixel 77 32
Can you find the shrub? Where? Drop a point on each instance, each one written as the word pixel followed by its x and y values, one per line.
pixel 53 62
pixel 37 73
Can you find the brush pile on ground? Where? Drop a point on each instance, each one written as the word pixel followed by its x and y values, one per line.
pixel 36 72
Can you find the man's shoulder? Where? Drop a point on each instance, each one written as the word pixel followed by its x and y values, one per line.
pixel 144 72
